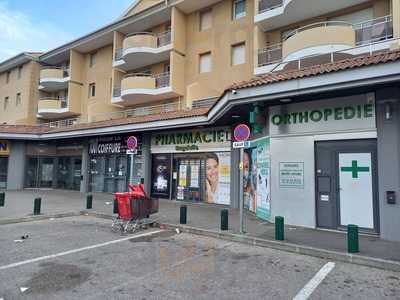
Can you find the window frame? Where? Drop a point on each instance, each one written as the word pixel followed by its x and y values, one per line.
pixel 8 76
pixel 201 55
pixel 241 15
pixel 202 13
pixel 92 59
pixel 244 53
pixel 92 90
pixel 18 99
pixel 6 102
pixel 20 72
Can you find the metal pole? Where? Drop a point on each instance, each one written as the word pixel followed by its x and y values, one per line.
pixel 131 169
pixel 241 192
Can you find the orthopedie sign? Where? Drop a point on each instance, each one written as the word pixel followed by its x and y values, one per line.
pixel 355 112
pixel 196 140
pixel 110 145
pixel 5 147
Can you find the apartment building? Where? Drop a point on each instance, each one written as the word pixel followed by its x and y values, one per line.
pixel 317 82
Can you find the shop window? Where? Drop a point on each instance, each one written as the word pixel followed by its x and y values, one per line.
pixel 205 64
pixel 3 172
pixel 238 54
pixel 239 9
pixel 205 20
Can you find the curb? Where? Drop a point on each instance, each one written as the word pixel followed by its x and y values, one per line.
pixel 293 248
pixel 96 214
pixel 38 218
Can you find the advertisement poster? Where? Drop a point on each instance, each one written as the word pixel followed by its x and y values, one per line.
pixel 161 175
pixel 182 175
pixel 218 177
pixel 256 179
pixel 291 175
pixel 194 176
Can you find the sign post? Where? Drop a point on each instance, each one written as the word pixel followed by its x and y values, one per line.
pixel 132 150
pixel 241 134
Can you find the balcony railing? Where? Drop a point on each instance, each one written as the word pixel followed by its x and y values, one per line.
pixel 137 112
pixel 266 5
pixel 62 123
pixel 374 30
pixel 62 100
pixel 161 80
pixel 65 70
pixel 269 55
pixel 314 25
pixel 118 53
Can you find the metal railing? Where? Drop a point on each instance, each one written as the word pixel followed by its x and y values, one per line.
pixel 315 25
pixel 266 5
pixel 62 123
pixel 137 112
pixel 204 102
pixel 374 30
pixel 162 80
pixel 269 55
pixel 163 39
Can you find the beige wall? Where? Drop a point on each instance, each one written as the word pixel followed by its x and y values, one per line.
pixel 27 85
pixel 396 18
pixel 144 4
pixel 178 22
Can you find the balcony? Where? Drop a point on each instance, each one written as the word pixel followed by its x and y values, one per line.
pixel 326 37
pixel 53 79
pixel 143 49
pixel 53 107
pixel 272 14
pixel 140 88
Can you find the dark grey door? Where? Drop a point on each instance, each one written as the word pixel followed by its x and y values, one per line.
pixel 346 184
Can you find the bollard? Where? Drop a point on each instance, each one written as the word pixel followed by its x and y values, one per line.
pixel 115 209
pixel 89 201
pixel 279 228
pixel 224 219
pixel 183 216
pixel 352 239
pixel 36 206
pixel 2 198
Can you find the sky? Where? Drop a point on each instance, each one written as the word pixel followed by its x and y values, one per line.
pixel 41 25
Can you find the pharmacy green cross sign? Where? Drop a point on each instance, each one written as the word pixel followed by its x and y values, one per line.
pixel 354 169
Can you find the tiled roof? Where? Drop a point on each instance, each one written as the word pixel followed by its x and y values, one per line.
pixel 345 64
pixel 37 129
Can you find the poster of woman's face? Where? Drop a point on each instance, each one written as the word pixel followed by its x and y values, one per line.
pixel 212 176
pixel 217 169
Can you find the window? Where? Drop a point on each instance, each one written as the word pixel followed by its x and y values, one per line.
pixel 19 72
pixel 92 59
pixel 239 9
pixel 8 76
pixel 205 62
pixel 205 20
pixel 18 99
pixel 5 102
pixel 238 54
pixel 92 90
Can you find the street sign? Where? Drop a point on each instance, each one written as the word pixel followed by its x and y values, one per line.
pixel 237 145
pixel 134 151
pixel 132 143
pixel 241 133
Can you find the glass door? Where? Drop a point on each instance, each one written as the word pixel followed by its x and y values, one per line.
pixel 64 175
pixel 46 172
pixel 77 172
pixel 3 172
pixel 97 174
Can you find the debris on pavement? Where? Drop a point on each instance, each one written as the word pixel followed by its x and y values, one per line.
pixel 177 231
pixel 108 203
pixel 23 289
pixel 24 237
pixel 18 241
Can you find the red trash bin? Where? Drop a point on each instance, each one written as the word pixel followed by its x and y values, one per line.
pixel 124 205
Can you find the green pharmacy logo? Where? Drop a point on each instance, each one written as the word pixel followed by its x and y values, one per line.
pixel 354 169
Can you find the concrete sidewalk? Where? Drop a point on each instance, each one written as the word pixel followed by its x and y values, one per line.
pixel 19 205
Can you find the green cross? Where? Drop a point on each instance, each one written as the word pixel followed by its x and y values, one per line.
pixel 354 169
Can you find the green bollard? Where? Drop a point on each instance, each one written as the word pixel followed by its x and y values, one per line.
pixel 36 206
pixel 279 228
pixel 115 208
pixel 183 214
pixel 2 198
pixel 89 201
pixel 224 219
pixel 352 239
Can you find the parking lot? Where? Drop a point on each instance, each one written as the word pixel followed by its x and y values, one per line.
pixel 80 257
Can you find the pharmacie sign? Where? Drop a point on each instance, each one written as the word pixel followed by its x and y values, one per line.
pixel 108 145
pixel 197 140
pixel 5 147
pixel 338 114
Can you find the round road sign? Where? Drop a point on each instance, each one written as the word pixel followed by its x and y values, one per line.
pixel 132 143
pixel 241 133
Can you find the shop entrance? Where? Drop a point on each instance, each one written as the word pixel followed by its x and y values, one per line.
pixel 346 184
pixel 3 172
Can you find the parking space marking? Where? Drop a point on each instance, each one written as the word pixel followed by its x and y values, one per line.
pixel 310 287
pixel 33 260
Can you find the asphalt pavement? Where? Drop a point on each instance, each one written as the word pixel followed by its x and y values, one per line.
pixel 81 258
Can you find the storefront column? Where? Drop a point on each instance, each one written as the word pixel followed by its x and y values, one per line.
pixel 146 154
pixel 388 123
pixel 16 166
pixel 85 169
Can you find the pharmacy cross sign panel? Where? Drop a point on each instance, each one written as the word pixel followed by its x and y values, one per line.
pixel 354 169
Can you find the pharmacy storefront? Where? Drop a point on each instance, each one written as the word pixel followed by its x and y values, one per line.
pixel 192 165
pixel 5 148
pixel 324 162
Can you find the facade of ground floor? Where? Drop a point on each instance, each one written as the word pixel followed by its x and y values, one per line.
pixel 320 162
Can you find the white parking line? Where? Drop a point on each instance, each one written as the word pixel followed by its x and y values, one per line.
pixel 310 287
pixel 33 260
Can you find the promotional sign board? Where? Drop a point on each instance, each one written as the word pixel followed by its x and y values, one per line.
pixel 291 174
pixel 355 112
pixel 117 144
pixel 5 147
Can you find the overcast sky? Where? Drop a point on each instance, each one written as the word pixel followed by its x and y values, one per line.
pixel 41 25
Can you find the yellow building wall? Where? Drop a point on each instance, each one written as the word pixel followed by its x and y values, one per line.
pixel 144 4
pixel 27 85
